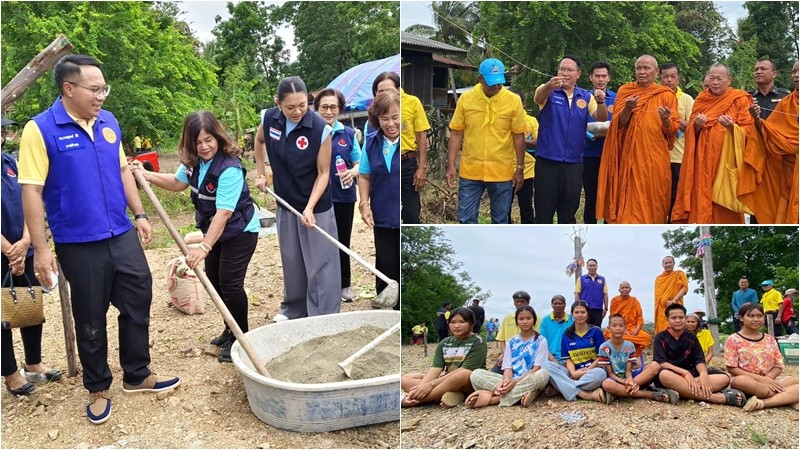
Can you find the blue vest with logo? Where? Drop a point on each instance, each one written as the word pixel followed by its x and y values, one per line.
pixel 342 144
pixel 294 158
pixel 562 128
pixel 83 194
pixel 592 290
pixel 594 148
pixel 13 221
pixel 384 188
pixel 204 197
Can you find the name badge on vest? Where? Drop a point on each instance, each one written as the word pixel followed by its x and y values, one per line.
pixel 275 133
pixel 71 141
pixel 557 101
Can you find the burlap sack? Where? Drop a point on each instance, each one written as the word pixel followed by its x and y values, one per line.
pixel 185 291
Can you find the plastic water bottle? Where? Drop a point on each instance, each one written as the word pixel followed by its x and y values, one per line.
pixel 341 168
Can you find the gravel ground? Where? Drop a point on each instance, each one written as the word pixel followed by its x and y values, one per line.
pixel 556 423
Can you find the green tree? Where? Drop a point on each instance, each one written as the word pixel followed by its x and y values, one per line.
pixel 616 32
pixel 760 253
pixel 233 102
pixel 147 57
pixel 453 22
pixel 431 277
pixel 332 37
pixel 775 27
pixel 741 62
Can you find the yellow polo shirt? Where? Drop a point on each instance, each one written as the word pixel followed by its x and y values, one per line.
pixel 34 164
pixel 413 120
pixel 531 132
pixel 489 125
pixel 771 300
pixel 685 104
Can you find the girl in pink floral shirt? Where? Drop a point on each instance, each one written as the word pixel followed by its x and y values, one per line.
pixel 755 363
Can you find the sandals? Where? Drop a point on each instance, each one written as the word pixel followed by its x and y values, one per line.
pixel 452 398
pixel 754 404
pixel 599 395
pixel 733 398
pixel 42 377
pixel 478 399
pixel 25 389
pixel 550 391
pixel 529 397
pixel 609 398
pixel 672 396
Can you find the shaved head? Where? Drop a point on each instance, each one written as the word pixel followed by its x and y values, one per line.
pixel 647 59
pixel 646 70
pixel 720 66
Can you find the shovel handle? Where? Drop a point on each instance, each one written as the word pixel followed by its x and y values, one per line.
pixel 201 275
pixel 370 346
pixel 334 241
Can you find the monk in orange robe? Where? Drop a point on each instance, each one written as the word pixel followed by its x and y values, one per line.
pixel 634 180
pixel 716 112
pixel 670 288
pixel 768 179
pixel 629 307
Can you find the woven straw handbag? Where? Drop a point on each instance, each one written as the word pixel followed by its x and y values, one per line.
pixel 22 306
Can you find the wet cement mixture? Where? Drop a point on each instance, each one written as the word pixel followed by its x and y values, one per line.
pixel 317 360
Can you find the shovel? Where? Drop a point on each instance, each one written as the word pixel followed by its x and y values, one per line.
pixel 347 364
pixel 390 295
pixel 201 275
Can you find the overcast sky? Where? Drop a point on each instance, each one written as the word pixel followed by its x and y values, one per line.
pixel 413 12
pixel 505 259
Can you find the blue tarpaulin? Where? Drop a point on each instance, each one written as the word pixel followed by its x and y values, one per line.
pixel 356 83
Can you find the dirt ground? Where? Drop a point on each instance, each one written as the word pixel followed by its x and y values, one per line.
pixel 555 423
pixel 210 408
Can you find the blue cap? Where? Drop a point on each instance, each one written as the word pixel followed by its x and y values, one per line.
pixel 766 283
pixel 493 71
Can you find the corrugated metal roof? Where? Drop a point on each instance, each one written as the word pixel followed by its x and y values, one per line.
pixel 414 42
pixel 453 63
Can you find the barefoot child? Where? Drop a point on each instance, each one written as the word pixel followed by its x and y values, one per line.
pixel 683 364
pixel 755 361
pixel 579 377
pixel 523 377
pixel 616 356
pixel 456 356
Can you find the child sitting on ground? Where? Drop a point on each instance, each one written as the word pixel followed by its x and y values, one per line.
pixel 616 356
pixel 523 377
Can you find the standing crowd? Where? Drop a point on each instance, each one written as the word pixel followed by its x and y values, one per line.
pixel 648 153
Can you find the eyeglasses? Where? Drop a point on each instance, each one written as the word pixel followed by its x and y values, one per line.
pixel 97 90
pixel 331 108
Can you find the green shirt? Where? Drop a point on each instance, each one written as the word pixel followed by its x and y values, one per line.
pixel 453 353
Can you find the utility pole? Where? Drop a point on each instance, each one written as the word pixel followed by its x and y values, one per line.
pixel 578 257
pixel 710 291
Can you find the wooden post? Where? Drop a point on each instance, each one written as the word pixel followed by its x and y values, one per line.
pixel 710 291
pixel 453 83
pixel 69 324
pixel 425 343
pixel 578 257
pixel 40 64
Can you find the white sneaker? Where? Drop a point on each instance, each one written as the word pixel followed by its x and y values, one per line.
pixel 347 294
pixel 280 318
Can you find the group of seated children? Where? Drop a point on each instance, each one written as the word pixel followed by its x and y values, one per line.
pixel 593 367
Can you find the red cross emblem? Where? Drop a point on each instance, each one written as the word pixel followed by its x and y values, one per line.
pixel 302 143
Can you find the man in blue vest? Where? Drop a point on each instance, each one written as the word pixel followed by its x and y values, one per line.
pixel 599 75
pixel 592 289
pixel 564 111
pixel 71 156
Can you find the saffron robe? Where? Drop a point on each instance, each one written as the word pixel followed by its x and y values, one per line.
pixel 634 181
pixel 701 156
pixel 630 308
pixel 666 287
pixel 768 178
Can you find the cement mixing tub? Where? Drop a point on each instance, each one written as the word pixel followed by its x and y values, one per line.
pixel 319 407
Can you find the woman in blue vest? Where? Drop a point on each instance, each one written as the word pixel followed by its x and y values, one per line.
pixel 379 185
pixel 328 104
pixel 224 212
pixel 383 82
pixel 17 265
pixel 298 145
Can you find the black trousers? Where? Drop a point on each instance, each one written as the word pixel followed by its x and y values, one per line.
pixel 112 271
pixel 596 317
pixel 31 336
pixel 387 256
pixel 591 170
pixel 675 168
pixel 409 197
pixel 525 203
pixel 226 266
pixel 557 190
pixel 344 224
